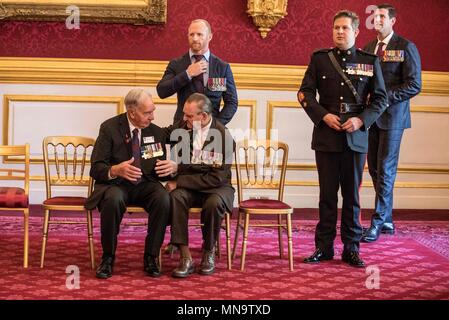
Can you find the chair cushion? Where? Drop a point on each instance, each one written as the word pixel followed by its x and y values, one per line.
pixel 263 204
pixel 66 201
pixel 13 198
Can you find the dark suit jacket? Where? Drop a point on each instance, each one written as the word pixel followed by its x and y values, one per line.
pixel 175 80
pixel 322 77
pixel 204 177
pixel 402 81
pixel 114 146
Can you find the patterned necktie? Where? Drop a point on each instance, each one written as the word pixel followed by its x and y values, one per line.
pixel 136 151
pixel 380 51
pixel 198 81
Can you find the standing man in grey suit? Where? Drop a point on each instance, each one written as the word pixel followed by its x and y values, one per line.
pixel 124 159
pixel 401 68
pixel 199 71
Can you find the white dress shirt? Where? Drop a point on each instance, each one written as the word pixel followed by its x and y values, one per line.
pixel 200 135
pixel 385 41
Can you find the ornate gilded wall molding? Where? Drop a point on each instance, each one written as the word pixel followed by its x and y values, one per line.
pixel 266 13
pixel 106 11
pixel 148 73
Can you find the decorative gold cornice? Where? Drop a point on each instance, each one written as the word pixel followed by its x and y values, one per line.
pixel 148 73
pixel 266 13
pixel 105 11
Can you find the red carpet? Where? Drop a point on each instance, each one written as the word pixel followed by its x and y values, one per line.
pixel 413 264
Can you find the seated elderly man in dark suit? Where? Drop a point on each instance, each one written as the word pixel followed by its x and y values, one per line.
pixel 123 163
pixel 204 180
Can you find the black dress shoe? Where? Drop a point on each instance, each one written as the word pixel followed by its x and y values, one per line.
pixel 104 270
pixel 364 230
pixel 184 269
pixel 319 255
pixel 372 234
pixel 207 262
pixel 152 266
pixel 388 228
pixel 353 258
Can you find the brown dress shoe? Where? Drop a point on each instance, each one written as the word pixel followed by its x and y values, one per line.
pixel 184 269
pixel 207 262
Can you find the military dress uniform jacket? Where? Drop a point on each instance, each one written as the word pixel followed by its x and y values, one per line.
pixel 175 80
pixel 212 174
pixel 113 146
pixel 363 69
pixel 401 68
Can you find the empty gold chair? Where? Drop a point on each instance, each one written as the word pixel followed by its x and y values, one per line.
pixel 262 164
pixel 16 198
pixel 65 161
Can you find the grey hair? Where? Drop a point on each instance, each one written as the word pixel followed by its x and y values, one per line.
pixel 135 97
pixel 203 101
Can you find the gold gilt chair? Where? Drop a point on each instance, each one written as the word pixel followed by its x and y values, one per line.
pixel 65 160
pixel 14 198
pixel 262 164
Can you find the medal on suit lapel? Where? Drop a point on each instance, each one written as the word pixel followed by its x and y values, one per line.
pixel 393 56
pixel 216 84
pixel 152 150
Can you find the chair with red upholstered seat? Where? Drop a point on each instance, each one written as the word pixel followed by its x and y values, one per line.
pixel 65 160
pixel 16 198
pixel 262 164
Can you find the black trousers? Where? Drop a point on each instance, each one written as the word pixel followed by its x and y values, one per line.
pixel 213 210
pixel 152 196
pixel 337 169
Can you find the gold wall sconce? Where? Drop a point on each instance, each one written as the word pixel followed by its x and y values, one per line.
pixel 266 13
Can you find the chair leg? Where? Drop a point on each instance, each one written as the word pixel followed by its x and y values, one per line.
pixel 290 242
pixel 44 235
pixel 236 238
pixel 228 239
pixel 281 248
pixel 26 215
pixel 90 239
pixel 160 259
pixel 245 240
pixel 217 245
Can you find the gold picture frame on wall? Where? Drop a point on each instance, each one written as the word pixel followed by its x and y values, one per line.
pixel 105 11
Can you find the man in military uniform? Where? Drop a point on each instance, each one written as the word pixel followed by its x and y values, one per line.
pixel 351 97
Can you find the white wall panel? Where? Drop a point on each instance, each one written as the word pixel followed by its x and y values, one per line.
pixel 424 146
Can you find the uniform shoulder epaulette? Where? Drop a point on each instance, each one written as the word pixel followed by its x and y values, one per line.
pixel 366 52
pixel 325 50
